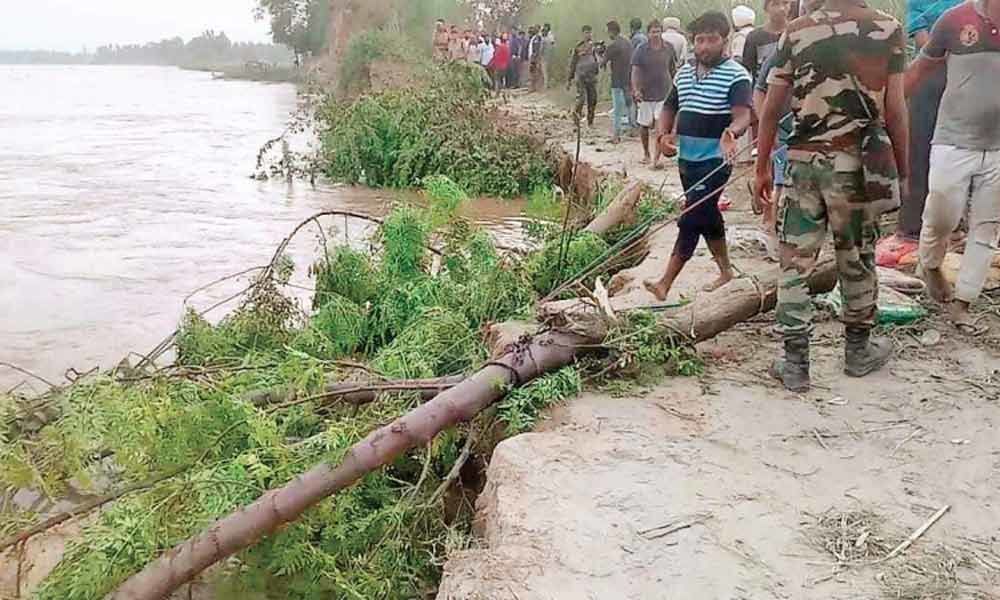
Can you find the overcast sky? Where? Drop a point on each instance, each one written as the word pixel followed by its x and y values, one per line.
pixel 70 25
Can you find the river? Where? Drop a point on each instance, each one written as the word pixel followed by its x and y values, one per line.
pixel 122 189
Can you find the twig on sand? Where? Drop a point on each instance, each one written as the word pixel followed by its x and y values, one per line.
pixel 916 535
pixel 916 431
pixel 673 527
pixel 819 439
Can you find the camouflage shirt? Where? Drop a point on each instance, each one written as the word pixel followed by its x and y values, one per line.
pixel 827 57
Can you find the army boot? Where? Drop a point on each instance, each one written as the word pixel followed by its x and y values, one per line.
pixel 793 370
pixel 865 354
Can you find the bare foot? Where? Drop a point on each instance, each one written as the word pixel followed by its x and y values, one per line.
pixel 657 166
pixel 657 289
pixel 718 283
pixel 644 160
pixel 937 285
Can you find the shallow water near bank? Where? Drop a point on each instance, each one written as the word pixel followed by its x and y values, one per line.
pixel 122 189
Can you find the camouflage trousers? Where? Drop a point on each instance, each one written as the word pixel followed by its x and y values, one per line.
pixel 824 195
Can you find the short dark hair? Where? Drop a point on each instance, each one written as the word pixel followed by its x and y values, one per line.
pixel 614 27
pixel 587 29
pixel 653 23
pixel 711 22
pixel 635 24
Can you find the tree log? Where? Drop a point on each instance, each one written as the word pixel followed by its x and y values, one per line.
pixel 242 529
pixel 739 301
pixel 710 314
pixel 621 211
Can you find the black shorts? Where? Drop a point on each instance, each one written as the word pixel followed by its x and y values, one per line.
pixel 706 219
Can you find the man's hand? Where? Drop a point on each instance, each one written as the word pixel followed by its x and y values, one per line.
pixel 763 190
pixel 668 144
pixel 637 95
pixel 728 144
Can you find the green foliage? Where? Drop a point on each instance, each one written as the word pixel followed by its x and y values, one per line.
pixel 446 198
pixel 263 323
pixel 547 272
pixel 398 137
pixel 436 342
pixel 337 330
pixel 346 273
pixel 522 407
pixel 644 352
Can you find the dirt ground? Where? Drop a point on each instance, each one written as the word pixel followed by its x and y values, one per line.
pixel 715 487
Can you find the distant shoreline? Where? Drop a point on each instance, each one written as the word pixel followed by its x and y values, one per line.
pixel 229 72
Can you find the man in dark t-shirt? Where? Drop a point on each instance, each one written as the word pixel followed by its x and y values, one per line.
pixel 652 65
pixel 763 41
pixel 619 57
pixel 965 152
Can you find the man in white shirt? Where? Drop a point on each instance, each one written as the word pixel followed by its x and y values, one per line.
pixel 673 35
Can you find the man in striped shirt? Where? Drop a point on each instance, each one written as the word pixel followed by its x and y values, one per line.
pixel 710 103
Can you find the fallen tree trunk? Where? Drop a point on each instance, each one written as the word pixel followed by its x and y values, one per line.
pixel 621 211
pixel 740 301
pixel 710 314
pixel 242 529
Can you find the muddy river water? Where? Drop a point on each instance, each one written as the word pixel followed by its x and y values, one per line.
pixel 122 189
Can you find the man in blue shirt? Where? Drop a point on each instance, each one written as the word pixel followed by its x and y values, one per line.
pixel 710 103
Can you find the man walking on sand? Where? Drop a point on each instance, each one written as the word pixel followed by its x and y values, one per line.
pixel 842 67
pixel 711 104
pixel 965 153
pixel 619 56
pixel 583 70
pixel 651 76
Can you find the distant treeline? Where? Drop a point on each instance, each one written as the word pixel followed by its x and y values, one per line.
pixel 209 48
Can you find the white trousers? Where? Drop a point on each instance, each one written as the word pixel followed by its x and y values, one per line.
pixel 954 173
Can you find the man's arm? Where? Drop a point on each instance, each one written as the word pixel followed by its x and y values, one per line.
pixel 897 123
pixel 572 65
pixel 774 105
pixel 636 82
pixel 742 116
pixel 665 125
pixel 759 96
pixel 918 71
pixel 921 38
pixel 749 57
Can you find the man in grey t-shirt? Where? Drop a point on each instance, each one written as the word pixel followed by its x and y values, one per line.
pixel 965 153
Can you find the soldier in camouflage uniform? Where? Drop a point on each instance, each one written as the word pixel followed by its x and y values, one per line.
pixel 842 65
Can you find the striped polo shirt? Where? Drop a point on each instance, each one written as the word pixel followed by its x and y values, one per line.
pixel 704 107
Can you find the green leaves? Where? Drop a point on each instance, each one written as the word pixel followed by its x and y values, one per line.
pixel 399 137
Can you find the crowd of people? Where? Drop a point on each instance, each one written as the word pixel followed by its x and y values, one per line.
pixel 845 132
pixel 513 58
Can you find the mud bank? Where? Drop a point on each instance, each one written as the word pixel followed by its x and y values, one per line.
pixel 714 487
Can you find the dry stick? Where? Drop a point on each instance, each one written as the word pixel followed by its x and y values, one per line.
pixel 918 533
pixel 908 438
pixel 456 469
pixel 29 374
pixel 669 529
